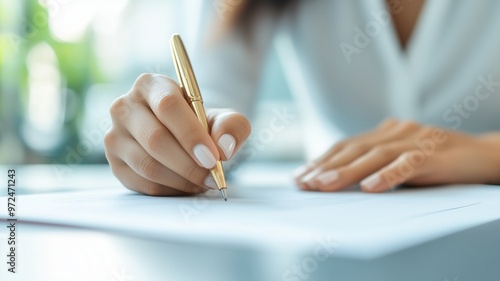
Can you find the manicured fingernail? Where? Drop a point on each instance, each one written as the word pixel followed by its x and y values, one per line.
pixel 210 182
pixel 328 178
pixel 371 182
pixel 309 176
pixel 203 154
pixel 227 143
pixel 308 179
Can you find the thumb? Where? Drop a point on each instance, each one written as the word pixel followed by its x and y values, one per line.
pixel 229 130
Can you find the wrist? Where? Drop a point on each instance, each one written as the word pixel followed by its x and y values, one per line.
pixel 490 145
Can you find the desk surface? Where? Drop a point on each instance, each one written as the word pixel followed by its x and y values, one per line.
pixel 151 249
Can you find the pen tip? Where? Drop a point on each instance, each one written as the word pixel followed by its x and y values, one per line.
pixel 223 191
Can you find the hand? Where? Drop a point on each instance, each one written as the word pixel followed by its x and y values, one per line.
pixel 157 146
pixel 403 153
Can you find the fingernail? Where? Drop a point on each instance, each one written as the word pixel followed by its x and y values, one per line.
pixel 210 182
pixel 227 143
pixel 371 182
pixel 203 154
pixel 308 179
pixel 328 178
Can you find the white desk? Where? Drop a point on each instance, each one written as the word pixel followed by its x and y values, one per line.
pixel 452 244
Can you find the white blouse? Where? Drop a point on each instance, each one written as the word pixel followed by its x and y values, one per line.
pixel 346 68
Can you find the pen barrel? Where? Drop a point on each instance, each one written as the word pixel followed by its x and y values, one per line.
pixel 218 175
pixel 197 106
pixel 192 94
pixel 184 69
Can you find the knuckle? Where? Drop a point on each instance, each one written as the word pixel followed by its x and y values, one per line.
pixel 358 147
pixel 149 168
pixel 148 81
pixel 143 80
pixel 136 94
pixel 118 107
pixel 142 85
pixel 168 101
pixel 154 138
pixel 409 125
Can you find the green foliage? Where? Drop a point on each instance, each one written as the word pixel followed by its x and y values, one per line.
pixel 23 25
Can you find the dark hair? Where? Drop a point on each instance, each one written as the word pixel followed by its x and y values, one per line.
pixel 245 13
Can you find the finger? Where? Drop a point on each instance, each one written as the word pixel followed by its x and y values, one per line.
pixel 158 142
pixel 308 167
pixel 341 156
pixel 170 107
pixel 149 168
pixel 387 132
pixel 353 173
pixel 229 129
pixel 131 180
pixel 406 167
pixel 358 146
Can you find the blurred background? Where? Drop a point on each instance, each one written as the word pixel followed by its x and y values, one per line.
pixel 62 63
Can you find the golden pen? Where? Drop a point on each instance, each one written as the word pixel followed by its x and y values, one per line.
pixel 192 93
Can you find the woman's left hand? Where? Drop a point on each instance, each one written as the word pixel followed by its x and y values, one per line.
pixel 404 153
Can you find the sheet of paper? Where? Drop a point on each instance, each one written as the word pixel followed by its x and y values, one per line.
pixel 276 217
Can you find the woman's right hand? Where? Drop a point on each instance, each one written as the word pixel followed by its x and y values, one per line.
pixel 157 146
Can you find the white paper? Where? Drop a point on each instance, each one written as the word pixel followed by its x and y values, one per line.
pixel 276 217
